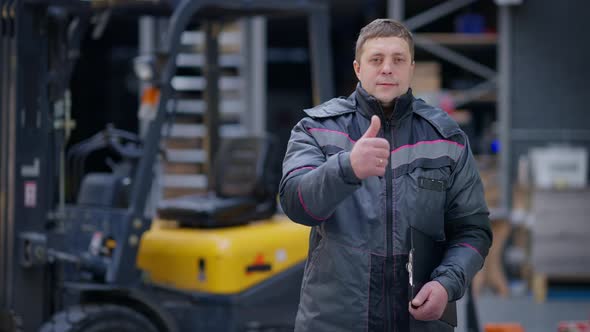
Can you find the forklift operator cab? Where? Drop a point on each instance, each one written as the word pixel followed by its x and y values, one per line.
pixel 246 176
pixel 226 241
pixel 218 262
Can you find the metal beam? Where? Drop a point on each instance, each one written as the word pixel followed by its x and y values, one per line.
pixel 396 9
pixel 254 69
pixel 259 47
pixel 454 57
pixel 476 92
pixel 319 39
pixel 212 73
pixel 149 42
pixel 9 96
pixel 504 111
pixel 551 135
pixel 4 190
pixel 435 13
pixel 147 35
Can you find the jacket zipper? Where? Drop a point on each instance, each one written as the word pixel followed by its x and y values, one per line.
pixel 389 226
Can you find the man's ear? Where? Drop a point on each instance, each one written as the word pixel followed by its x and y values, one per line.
pixel 357 69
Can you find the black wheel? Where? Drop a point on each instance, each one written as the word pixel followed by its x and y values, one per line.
pixel 9 322
pixel 98 318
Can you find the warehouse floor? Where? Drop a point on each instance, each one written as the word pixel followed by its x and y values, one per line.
pixel 534 317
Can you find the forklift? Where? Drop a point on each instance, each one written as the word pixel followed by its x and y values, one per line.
pixel 221 261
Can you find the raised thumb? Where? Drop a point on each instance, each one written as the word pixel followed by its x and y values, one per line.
pixel 374 127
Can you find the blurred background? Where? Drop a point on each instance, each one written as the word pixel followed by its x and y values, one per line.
pixel 512 73
pixel 536 112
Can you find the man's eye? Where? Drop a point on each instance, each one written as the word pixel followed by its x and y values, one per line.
pixel 399 60
pixel 375 60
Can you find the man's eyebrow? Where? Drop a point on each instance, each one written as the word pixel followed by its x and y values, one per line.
pixel 399 54
pixel 381 54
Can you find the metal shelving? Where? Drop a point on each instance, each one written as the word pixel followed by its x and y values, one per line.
pixel 495 84
pixel 444 46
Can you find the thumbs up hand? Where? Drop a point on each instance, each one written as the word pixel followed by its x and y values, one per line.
pixel 370 154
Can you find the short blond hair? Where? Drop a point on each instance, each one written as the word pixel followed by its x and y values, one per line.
pixel 383 27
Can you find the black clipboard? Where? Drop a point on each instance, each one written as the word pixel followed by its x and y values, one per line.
pixel 425 255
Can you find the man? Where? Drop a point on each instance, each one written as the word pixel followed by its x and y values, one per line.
pixel 361 170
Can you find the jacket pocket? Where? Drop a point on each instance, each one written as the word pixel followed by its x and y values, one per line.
pixel 432 184
pixel 429 189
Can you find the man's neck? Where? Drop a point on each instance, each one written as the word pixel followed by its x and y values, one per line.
pixel 388 110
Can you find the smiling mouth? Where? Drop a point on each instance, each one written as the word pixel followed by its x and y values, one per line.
pixel 388 84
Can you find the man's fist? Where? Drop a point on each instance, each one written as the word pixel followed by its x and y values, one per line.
pixel 370 154
pixel 430 302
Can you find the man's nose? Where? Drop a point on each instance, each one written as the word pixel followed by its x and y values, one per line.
pixel 387 68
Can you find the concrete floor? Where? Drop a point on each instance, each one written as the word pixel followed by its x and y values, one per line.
pixel 532 316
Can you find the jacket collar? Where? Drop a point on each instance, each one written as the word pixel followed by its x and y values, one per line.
pixel 369 105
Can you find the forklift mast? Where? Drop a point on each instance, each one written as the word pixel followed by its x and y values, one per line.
pixel 40 42
pixel 33 70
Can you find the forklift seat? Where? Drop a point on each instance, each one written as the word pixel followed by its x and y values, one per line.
pixel 246 173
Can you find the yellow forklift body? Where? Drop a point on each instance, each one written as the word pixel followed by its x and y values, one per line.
pixel 221 260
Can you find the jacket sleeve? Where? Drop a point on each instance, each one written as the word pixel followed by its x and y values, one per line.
pixel 467 227
pixel 312 184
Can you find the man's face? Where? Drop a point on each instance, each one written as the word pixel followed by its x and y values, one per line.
pixel 385 68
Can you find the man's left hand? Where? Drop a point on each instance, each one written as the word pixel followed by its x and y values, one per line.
pixel 430 302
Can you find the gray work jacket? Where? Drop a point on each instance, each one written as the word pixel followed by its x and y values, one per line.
pixel 355 278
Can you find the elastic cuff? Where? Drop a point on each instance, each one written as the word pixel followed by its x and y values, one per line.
pixel 448 283
pixel 346 170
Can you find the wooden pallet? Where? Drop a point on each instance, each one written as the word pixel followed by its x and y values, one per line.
pixel 540 283
pixel 492 274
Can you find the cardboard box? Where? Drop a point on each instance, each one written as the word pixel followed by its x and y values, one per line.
pixel 427 78
pixel 559 167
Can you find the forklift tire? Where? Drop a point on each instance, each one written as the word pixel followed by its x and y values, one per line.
pixel 98 318
pixel 9 322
